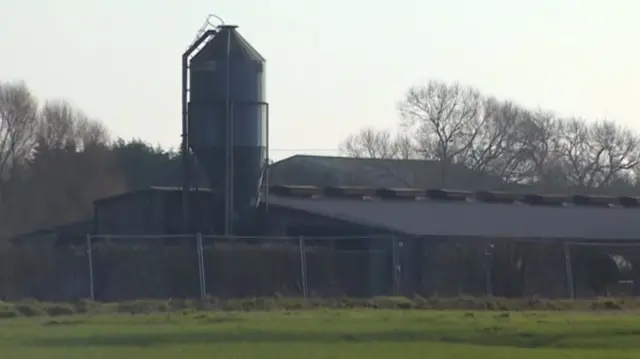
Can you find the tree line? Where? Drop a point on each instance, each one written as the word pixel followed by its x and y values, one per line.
pixel 529 148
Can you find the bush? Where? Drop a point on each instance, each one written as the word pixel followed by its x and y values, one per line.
pixel 607 304
pixel 86 306
pixel 7 310
pixel 56 310
pixel 30 308
pixel 393 303
pixel 143 306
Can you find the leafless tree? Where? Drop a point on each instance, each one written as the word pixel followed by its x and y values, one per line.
pixel 64 127
pixel 18 123
pixel 404 147
pixel 457 126
pixel 595 154
pixel 538 162
pixel 379 144
pixel 446 119
pixel 518 145
pixel 498 146
pixel 383 145
pixel 57 125
pixel 92 133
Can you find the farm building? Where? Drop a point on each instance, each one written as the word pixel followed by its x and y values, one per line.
pixel 411 236
pixel 361 214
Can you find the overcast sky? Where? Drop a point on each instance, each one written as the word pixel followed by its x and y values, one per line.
pixel 332 66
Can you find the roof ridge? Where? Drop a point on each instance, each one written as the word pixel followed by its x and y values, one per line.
pixel 485 196
pixel 349 158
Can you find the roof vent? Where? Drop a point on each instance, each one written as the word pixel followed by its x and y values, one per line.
pixel 598 201
pixel 629 201
pixel 447 195
pixel 399 193
pixel 294 191
pixel 347 192
pixel 544 200
pixel 497 197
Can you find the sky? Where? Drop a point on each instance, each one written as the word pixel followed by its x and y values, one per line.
pixel 333 66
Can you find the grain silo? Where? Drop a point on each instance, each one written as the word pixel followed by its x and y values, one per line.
pixel 225 122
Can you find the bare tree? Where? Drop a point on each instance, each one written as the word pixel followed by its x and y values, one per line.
pixel 593 155
pixel 92 133
pixel 498 146
pixel 18 123
pixel 518 145
pixel 404 147
pixel 458 127
pixel 379 144
pixel 444 117
pixel 370 143
pixel 57 125
pixel 62 127
pixel 539 162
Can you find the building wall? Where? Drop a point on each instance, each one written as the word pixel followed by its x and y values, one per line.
pixel 74 233
pixel 156 211
pixel 136 213
pixel 359 257
pixel 203 216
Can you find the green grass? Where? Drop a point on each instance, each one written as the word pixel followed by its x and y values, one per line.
pixel 325 333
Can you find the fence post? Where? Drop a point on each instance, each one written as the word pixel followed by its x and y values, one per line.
pixel 303 267
pixel 569 270
pixel 488 260
pixel 203 284
pixel 395 262
pixel 90 257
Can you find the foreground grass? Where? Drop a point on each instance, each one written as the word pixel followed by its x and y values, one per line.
pixel 325 333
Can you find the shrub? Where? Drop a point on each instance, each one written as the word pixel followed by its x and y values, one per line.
pixel 143 306
pixel 30 308
pixel 56 310
pixel 8 310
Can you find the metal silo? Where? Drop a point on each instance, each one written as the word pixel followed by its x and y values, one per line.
pixel 226 119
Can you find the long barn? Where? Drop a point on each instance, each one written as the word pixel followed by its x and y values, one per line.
pixel 410 226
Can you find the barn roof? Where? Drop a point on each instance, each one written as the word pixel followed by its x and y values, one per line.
pixel 470 214
pixel 351 171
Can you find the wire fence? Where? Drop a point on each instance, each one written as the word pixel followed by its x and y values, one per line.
pixel 128 267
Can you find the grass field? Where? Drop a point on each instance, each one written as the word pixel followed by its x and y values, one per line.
pixel 323 333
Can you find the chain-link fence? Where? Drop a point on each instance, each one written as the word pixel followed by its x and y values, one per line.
pixel 125 267
pixel 49 273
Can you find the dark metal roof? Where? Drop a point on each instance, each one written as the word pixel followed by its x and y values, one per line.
pixel 470 214
pixel 340 171
pixel 52 234
pixel 149 190
pixel 438 212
